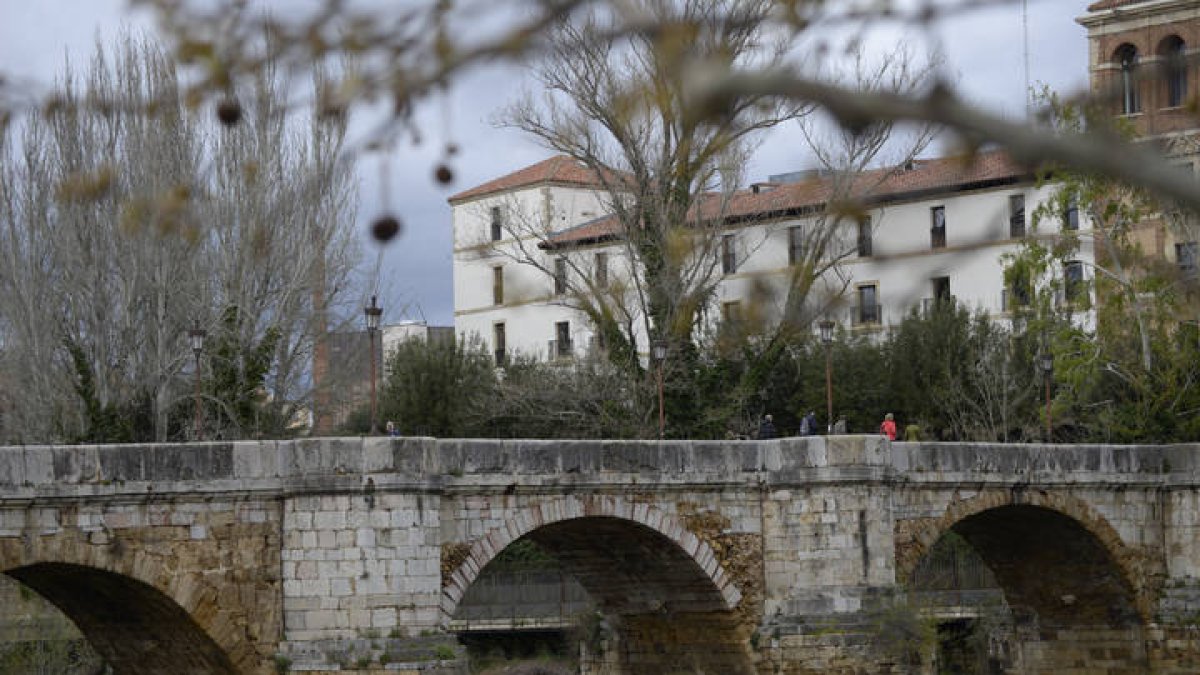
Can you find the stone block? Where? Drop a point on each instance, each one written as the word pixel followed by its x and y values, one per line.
pixel 329 519
pixel 340 587
pixel 384 618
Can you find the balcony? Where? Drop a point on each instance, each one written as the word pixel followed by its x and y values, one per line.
pixel 866 315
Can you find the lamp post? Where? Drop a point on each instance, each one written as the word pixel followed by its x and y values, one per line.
pixel 1046 362
pixel 373 312
pixel 196 339
pixel 826 327
pixel 658 352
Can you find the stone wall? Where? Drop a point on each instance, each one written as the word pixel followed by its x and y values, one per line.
pixel 217 562
pixel 357 565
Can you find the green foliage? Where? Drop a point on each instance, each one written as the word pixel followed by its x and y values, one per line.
pixel 127 421
pixel 585 399
pixel 523 554
pixel 238 374
pixel 737 384
pixel 927 355
pixel 902 634
pixel 962 376
pixel 444 653
pixel 954 374
pixel 1134 377
pixel 433 386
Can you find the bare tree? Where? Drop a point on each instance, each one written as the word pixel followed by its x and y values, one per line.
pixel 124 223
pixel 614 106
pixel 666 177
pixel 281 246
pixel 100 240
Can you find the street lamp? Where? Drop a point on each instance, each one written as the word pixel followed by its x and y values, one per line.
pixel 658 352
pixel 196 339
pixel 1046 362
pixel 826 327
pixel 373 312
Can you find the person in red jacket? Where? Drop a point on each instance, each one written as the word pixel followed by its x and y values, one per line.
pixel 888 428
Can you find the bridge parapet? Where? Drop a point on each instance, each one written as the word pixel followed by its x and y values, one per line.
pixel 342 463
pixel 1048 464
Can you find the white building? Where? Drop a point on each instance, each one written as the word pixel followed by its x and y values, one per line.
pixel 933 229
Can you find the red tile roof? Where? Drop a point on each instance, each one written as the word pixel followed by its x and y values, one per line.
pixel 558 170
pixel 925 177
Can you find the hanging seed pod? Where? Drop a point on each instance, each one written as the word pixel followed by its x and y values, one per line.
pixel 385 228
pixel 229 111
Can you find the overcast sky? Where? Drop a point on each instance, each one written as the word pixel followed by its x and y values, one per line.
pixel 984 50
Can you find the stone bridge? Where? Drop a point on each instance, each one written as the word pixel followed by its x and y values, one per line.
pixel 782 556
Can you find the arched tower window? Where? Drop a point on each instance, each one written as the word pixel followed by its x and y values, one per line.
pixel 1127 58
pixel 1174 70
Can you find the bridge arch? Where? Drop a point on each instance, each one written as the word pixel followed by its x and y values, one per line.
pixel 668 603
pixel 148 607
pixel 136 628
pixel 1050 551
pixel 642 525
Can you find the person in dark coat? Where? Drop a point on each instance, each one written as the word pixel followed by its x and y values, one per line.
pixel 808 425
pixel 766 428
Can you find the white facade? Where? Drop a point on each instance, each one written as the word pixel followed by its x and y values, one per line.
pixel 392 334
pixel 903 268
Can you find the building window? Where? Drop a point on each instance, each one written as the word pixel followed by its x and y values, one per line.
pixel 1016 216
pixel 864 237
pixel 499 343
pixel 1071 215
pixel 868 309
pixel 498 285
pixel 1174 70
pixel 795 245
pixel 497 224
pixel 560 276
pixel 937 227
pixel 601 270
pixel 1073 288
pixel 1186 257
pixel 731 315
pixel 1127 58
pixel 728 254
pixel 941 289
pixel 562 340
